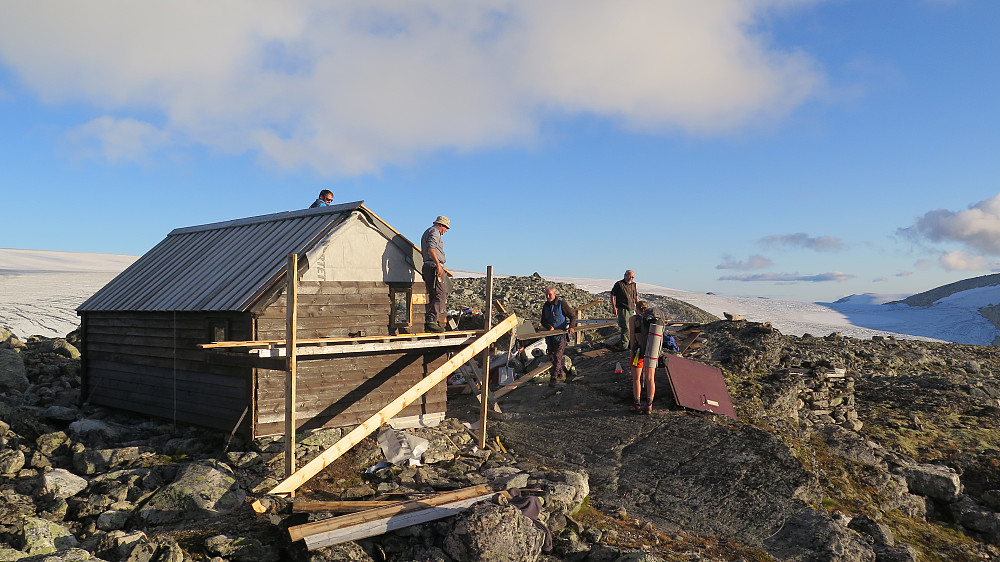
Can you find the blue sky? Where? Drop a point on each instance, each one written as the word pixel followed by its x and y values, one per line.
pixel 783 148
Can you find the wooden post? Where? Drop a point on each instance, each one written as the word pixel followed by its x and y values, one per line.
pixel 291 310
pixel 484 395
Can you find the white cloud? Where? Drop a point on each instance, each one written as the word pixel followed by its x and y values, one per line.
pixel 789 277
pixel 117 140
pixel 347 87
pixel 977 228
pixel 803 240
pixel 753 262
pixel 964 261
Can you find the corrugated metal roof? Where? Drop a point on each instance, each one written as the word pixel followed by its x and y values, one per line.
pixel 222 266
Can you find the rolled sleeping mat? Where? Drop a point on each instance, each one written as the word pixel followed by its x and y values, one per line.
pixel 654 344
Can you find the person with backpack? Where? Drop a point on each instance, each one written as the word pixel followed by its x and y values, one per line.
pixel 557 314
pixel 646 347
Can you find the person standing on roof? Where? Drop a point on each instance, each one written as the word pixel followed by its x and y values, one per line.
pixel 433 273
pixel 557 314
pixel 325 199
pixel 623 298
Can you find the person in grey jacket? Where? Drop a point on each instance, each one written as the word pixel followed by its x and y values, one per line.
pixel 433 273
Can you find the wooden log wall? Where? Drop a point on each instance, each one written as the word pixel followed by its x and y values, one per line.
pixel 330 309
pixel 342 391
pixel 147 362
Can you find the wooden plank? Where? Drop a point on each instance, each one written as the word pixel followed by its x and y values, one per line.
pixel 578 328
pixel 539 370
pixel 589 304
pixel 291 293
pixel 328 350
pixel 484 393
pixel 372 338
pixel 416 391
pixel 299 532
pixel 386 524
pixel 352 506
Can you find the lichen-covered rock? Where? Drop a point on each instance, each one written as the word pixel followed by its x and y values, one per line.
pixel 344 552
pixel 112 520
pixel 201 489
pixel 11 461
pixel 52 443
pixel 92 461
pixel 157 549
pixel 496 533
pixel 12 373
pixel 39 536
pixel 61 347
pixel 241 549
pixel 62 484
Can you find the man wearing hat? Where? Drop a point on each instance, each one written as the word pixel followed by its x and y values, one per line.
pixel 433 272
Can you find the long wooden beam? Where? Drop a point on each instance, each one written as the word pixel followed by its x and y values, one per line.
pixel 319 349
pixel 589 304
pixel 578 328
pixel 520 380
pixel 300 532
pixel 308 341
pixel 341 506
pixel 391 523
pixel 293 481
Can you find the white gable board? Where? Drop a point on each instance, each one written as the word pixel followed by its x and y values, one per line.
pixel 357 251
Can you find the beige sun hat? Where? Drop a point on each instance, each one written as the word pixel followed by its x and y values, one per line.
pixel 443 221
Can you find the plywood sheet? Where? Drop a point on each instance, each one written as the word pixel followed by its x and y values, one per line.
pixel 698 386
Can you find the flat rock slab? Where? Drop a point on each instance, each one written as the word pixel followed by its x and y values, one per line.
pixel 675 468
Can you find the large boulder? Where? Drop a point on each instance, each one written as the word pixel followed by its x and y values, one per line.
pixel 487 531
pixel 241 549
pixel 812 536
pixel 11 461
pixel 975 517
pixel 933 480
pixel 93 461
pixel 157 549
pixel 39 536
pixel 201 489
pixel 61 484
pixel 12 373
pixel 61 347
pixel 343 552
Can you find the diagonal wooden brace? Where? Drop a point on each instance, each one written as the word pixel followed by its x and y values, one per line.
pixel 313 467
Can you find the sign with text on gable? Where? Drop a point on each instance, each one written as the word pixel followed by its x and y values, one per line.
pixel 419 298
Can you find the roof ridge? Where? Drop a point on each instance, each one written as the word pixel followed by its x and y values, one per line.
pixel 268 218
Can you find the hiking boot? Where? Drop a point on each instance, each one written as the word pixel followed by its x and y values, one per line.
pixel 434 327
pixel 636 408
pixel 648 408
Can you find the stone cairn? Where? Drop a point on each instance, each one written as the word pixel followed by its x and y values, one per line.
pixel 826 396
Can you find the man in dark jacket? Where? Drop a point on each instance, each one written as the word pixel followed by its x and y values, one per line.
pixel 623 298
pixel 557 314
pixel 433 273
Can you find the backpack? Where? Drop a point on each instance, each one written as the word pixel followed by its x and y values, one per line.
pixel 652 315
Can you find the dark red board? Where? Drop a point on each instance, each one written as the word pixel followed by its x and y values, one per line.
pixel 698 386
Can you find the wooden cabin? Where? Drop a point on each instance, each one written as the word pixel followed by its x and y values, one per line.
pixel 226 282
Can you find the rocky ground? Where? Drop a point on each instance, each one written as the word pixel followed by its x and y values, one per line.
pixel 844 449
